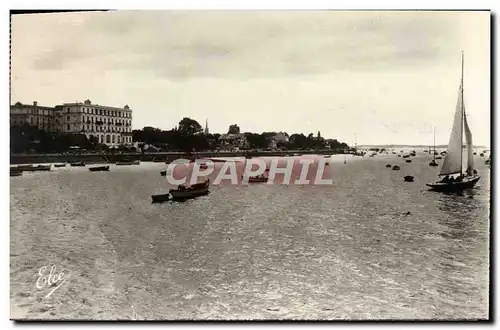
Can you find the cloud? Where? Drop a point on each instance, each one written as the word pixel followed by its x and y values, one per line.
pixel 184 45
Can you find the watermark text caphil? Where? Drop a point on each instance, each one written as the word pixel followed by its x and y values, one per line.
pixel 303 171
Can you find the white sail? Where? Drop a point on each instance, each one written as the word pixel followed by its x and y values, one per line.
pixel 453 160
pixel 468 141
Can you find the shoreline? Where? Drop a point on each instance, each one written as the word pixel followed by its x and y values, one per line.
pixel 165 157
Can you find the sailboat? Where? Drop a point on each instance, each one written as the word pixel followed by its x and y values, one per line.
pixel 454 179
pixel 433 161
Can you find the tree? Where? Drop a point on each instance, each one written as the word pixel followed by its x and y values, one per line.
pixel 188 126
pixel 234 129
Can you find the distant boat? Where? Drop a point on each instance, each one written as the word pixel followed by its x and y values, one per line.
pixel 99 168
pixel 395 168
pixel 434 153
pixel 406 156
pixel 77 164
pixel 488 161
pixel 452 164
pixel 135 162
pixel 482 155
pixel 408 160
pixel 408 178
pixel 388 165
pixel 183 192
pixel 59 165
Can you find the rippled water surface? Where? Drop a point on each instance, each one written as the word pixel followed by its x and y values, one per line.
pixel 344 251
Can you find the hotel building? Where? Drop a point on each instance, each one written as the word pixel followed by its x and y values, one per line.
pixel 109 125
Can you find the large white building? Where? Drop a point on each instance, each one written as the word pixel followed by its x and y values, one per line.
pixel 110 125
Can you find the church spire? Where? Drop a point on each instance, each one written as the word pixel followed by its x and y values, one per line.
pixel 206 126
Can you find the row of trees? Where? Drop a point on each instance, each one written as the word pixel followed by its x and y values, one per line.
pixel 187 136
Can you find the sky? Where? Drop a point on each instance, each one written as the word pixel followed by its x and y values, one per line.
pixel 366 77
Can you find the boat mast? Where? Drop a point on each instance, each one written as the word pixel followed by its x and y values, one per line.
pixel 462 109
pixel 434 152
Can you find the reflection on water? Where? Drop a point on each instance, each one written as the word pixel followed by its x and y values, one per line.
pixel 339 251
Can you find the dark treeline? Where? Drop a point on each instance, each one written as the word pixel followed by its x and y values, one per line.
pixel 187 136
pixel 29 139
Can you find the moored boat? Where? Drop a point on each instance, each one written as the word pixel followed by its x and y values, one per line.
pixel 37 168
pixel 160 198
pixel 408 160
pixel 59 165
pixel 408 178
pixel 15 172
pixel 77 164
pixel 135 162
pixel 395 168
pixel 183 192
pixel 388 165
pixel 99 168
pixel 257 179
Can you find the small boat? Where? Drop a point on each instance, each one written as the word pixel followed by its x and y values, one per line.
pixel 163 173
pixel 99 168
pixel 399 155
pixel 256 179
pixel 59 165
pixel 488 161
pixel 77 164
pixel 408 178
pixel 160 198
pixel 406 156
pixel 395 168
pixel 388 165
pixel 482 155
pixel 439 157
pixel 37 168
pixel 23 167
pixel 475 153
pixel 183 192
pixel 433 163
pixel 452 164
pixel 135 162
pixel 408 160
pixel 15 172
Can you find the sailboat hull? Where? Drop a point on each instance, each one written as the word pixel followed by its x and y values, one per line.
pixel 454 186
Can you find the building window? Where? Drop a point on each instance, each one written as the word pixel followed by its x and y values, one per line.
pixel 68 127
pixel 67 118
